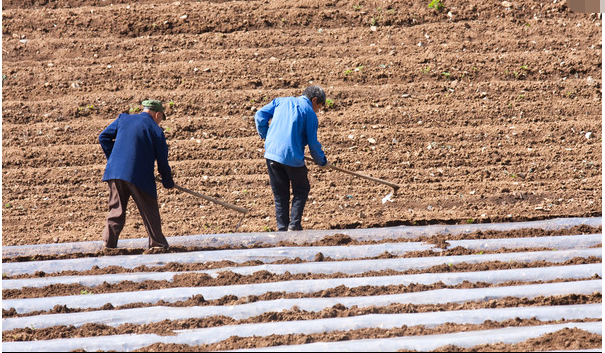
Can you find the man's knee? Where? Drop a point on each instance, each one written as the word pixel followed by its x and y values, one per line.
pixel 301 190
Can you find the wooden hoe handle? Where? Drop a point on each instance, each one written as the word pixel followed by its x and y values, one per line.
pixel 394 186
pixel 208 198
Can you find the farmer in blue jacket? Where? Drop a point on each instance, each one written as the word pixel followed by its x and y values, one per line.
pixel 293 126
pixel 132 144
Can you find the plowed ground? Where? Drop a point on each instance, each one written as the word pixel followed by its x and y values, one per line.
pixel 481 115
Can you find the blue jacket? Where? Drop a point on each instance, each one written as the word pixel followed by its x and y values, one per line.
pixel 132 143
pixel 293 126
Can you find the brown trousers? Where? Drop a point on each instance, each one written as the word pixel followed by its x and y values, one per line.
pixel 119 194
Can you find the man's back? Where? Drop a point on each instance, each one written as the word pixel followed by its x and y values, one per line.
pixel 138 142
pixel 293 126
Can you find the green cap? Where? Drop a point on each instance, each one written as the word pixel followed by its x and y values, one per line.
pixel 154 105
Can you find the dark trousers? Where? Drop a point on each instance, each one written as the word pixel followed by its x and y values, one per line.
pixel 281 176
pixel 119 193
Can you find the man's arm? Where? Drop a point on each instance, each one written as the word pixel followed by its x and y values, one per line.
pixel 107 138
pixel 161 153
pixel 262 118
pixel 314 146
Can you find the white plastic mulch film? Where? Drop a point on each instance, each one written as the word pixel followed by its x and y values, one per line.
pixel 248 239
pixel 353 263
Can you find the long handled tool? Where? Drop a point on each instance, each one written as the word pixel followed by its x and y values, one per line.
pixel 211 199
pixel 384 199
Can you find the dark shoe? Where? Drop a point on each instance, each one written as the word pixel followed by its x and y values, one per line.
pixel 106 246
pixel 293 228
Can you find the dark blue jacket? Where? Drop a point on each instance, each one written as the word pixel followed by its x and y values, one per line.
pixel 293 126
pixel 132 144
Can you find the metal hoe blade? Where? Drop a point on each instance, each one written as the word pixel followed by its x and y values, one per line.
pixel 388 197
pixel 240 222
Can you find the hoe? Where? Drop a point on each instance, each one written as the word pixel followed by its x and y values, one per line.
pixel 211 199
pixel 384 199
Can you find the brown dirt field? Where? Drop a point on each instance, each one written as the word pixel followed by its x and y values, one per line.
pixel 485 121
pixel 482 112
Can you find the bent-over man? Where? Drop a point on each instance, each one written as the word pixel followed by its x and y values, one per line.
pixel 132 143
pixel 293 126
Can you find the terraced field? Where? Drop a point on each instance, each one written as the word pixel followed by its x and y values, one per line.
pixel 482 112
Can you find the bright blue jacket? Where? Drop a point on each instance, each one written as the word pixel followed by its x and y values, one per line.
pixel 293 126
pixel 132 143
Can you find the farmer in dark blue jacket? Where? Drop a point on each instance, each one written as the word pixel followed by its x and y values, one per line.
pixel 132 144
pixel 293 126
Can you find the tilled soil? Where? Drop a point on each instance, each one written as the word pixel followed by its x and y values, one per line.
pixel 482 112
pixel 491 113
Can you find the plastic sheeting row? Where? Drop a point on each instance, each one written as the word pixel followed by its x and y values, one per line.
pixel 56 266
pixel 139 316
pixel 172 295
pixel 384 321
pixel 265 255
pixel 510 335
pixel 238 256
pixel 301 237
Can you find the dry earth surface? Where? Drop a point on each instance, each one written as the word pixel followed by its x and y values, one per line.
pixel 483 112
pixel 490 114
